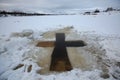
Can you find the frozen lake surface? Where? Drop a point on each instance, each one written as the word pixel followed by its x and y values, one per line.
pixel 22 60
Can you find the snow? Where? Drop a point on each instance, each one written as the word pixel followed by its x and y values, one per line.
pixel 93 22
pixel 19 36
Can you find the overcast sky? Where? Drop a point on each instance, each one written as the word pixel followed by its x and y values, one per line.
pixel 56 4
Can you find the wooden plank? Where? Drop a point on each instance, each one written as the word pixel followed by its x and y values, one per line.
pixel 46 44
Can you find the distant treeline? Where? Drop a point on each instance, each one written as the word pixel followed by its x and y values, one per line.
pixel 20 13
pixel 17 13
pixel 109 9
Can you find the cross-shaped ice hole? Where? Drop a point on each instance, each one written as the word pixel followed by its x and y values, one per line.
pixel 59 58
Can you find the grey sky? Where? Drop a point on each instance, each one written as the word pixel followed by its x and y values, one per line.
pixel 56 4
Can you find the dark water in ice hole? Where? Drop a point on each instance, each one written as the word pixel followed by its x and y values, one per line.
pixel 59 58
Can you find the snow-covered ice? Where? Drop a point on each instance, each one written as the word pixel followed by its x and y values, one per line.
pixel 99 60
pixel 102 23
